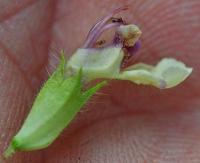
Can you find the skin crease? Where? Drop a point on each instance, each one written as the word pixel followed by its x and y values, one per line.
pixel 126 123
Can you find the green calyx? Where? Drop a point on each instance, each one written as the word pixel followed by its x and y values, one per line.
pixel 57 103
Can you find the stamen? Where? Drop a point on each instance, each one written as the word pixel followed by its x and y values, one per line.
pixel 118 20
pixel 97 34
pixel 100 43
pixel 99 25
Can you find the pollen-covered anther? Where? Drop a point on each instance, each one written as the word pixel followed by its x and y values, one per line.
pixel 129 34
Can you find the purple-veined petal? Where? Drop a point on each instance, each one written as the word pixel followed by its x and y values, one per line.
pixel 96 29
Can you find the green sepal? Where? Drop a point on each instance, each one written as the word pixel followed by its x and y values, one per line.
pixel 54 108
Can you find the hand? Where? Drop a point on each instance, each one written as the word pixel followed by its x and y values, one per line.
pixel 129 123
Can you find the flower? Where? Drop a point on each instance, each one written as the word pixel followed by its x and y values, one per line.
pixel 61 97
pixel 110 59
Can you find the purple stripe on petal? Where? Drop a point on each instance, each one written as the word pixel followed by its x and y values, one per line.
pixel 162 84
pixel 134 49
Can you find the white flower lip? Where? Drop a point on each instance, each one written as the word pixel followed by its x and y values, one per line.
pixel 166 74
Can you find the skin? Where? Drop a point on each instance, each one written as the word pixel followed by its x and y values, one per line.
pixel 127 123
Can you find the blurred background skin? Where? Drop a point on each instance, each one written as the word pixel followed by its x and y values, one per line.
pixel 130 123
